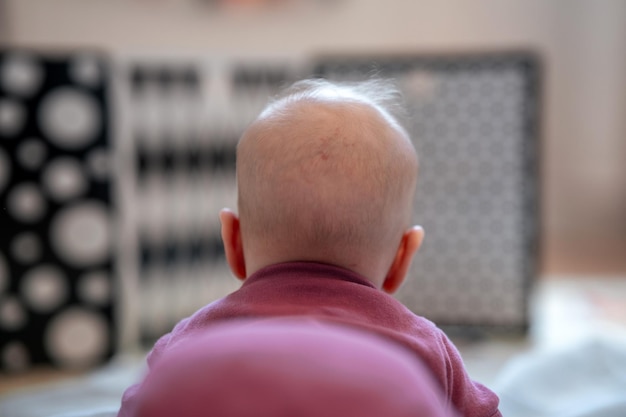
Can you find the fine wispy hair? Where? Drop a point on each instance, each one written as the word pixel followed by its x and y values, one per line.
pixel 382 93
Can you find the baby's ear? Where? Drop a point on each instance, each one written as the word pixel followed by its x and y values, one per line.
pixel 233 246
pixel 409 245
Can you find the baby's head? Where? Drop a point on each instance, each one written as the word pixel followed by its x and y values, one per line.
pixel 326 173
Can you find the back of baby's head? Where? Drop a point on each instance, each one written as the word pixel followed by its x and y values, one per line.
pixel 289 367
pixel 327 166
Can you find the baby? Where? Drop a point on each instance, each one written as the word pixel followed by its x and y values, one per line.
pixel 326 178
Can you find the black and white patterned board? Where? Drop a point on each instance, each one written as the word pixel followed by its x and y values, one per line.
pixel 474 123
pixel 56 260
pixel 184 119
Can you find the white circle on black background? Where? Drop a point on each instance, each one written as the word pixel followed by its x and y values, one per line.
pixel 5 170
pixel 64 179
pixel 12 314
pixel 32 153
pixel 70 118
pixel 15 357
pixel 12 115
pixel 81 234
pixel 21 75
pixel 95 288
pixel 26 203
pixel 99 163
pixel 85 69
pixel 26 247
pixel 77 338
pixel 44 288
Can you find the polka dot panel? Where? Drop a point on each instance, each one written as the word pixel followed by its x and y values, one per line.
pixel 473 124
pixel 54 134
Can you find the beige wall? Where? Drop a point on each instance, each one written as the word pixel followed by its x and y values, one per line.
pixel 4 21
pixel 583 43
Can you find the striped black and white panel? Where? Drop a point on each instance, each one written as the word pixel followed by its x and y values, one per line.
pixel 182 121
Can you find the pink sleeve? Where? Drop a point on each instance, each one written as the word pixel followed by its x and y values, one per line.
pixel 471 398
pixel 127 408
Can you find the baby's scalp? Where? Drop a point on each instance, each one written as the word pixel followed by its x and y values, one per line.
pixel 326 168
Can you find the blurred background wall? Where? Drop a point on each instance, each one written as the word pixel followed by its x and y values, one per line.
pixel 582 43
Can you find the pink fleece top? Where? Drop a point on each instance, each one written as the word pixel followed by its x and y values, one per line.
pixel 288 367
pixel 328 293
